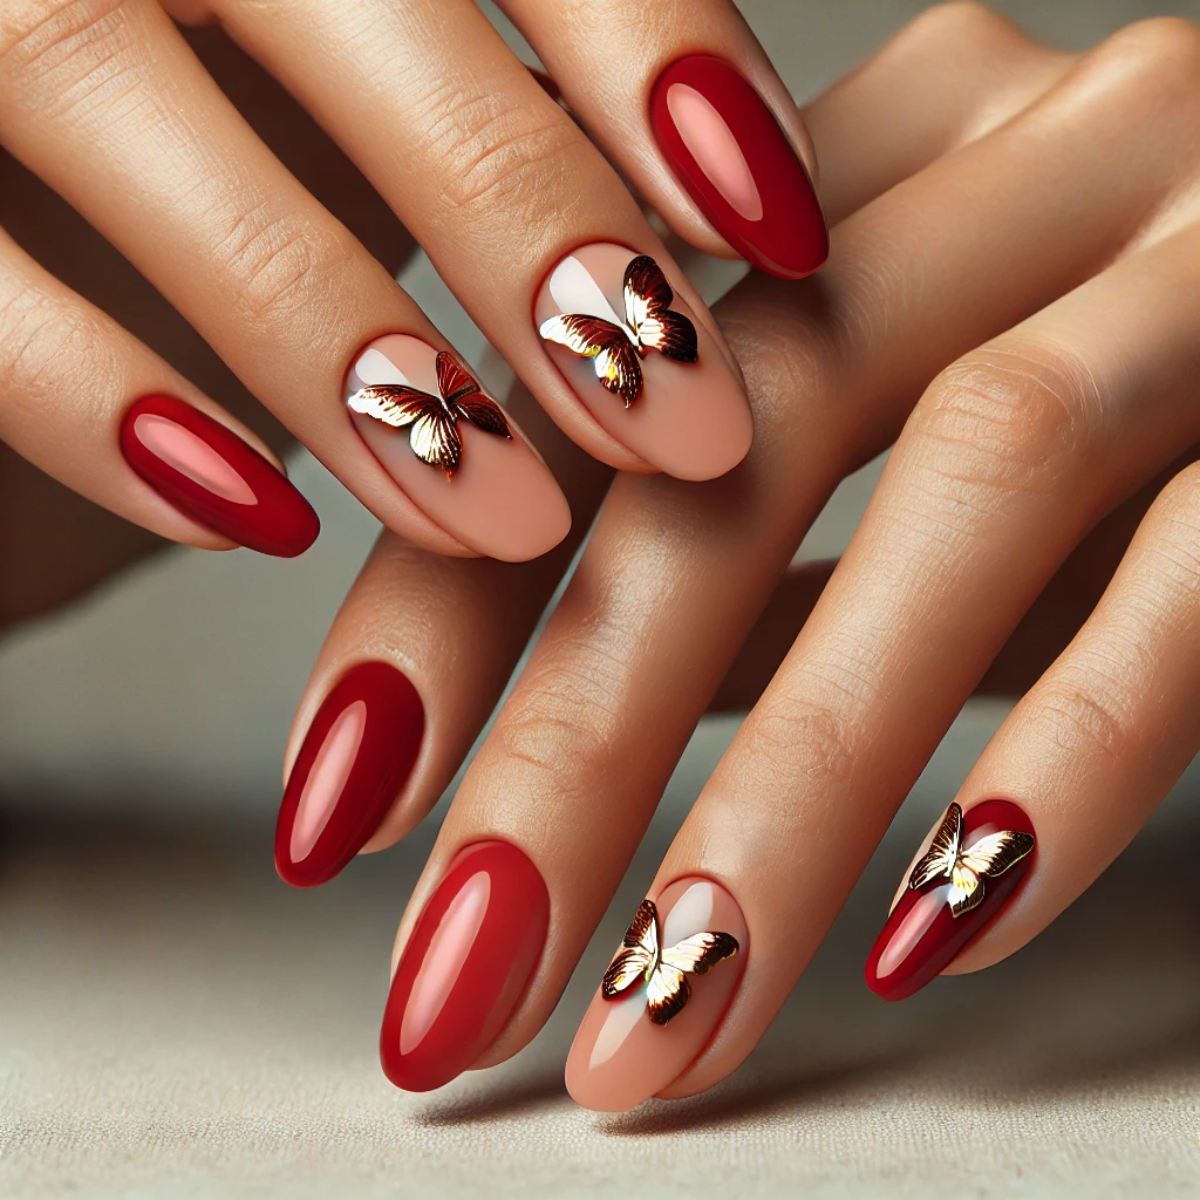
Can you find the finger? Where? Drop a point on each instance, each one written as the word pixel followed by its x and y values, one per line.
pixel 1040 637
pixel 148 149
pixel 100 412
pixel 1081 762
pixel 1009 459
pixel 521 215
pixel 686 102
pixel 671 584
pixel 414 663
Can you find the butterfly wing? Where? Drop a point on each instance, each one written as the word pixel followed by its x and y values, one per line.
pixel 967 891
pixel 464 398
pixel 638 954
pixel 666 993
pixel 988 857
pixel 454 380
pixel 484 413
pixel 393 403
pixel 996 853
pixel 668 990
pixel 700 951
pixel 434 439
pixel 648 299
pixel 938 861
pixel 615 360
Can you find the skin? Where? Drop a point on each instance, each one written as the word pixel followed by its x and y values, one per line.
pixel 1038 382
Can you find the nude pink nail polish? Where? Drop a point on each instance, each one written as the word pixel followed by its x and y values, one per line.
pixel 453 451
pixel 642 363
pixel 620 1055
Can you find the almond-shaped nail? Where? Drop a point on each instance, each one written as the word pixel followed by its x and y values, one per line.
pixel 356 757
pixel 661 998
pixel 205 470
pixel 726 148
pixel 453 450
pixel 974 863
pixel 641 363
pixel 465 966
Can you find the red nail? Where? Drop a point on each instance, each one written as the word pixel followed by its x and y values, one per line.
pixel 729 152
pixel 466 965
pixel 357 755
pixel 923 936
pixel 207 472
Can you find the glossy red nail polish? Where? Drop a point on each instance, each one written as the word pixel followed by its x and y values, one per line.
pixel 358 753
pixel 465 966
pixel 207 472
pixel 726 148
pixel 922 936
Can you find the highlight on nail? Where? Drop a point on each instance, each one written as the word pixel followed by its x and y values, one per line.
pixel 206 471
pixel 724 145
pixel 354 762
pixel 465 965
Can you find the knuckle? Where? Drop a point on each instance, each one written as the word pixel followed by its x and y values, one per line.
pixel 564 721
pixel 1015 416
pixel 957 22
pixel 1175 542
pixel 1159 56
pixel 68 48
pixel 805 732
pixel 801 740
pixel 493 151
pixel 1080 712
pixel 48 348
pixel 278 261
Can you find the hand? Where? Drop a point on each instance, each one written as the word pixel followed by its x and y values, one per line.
pixel 1010 297
pixel 519 211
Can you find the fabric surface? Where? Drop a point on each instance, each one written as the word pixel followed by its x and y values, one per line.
pixel 174 1022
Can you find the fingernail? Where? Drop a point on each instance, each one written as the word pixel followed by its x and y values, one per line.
pixel 641 363
pixel 973 864
pixel 453 451
pixel 728 151
pixel 625 1051
pixel 465 967
pixel 207 472
pixel 358 753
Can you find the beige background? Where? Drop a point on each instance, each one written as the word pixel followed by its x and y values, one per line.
pixel 174 1022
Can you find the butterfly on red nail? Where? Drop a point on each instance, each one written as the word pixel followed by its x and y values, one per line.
pixel 434 435
pixel 663 969
pixel 967 868
pixel 617 347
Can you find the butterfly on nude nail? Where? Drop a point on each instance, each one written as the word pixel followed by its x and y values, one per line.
pixel 617 348
pixel 434 435
pixel 663 969
pixel 985 858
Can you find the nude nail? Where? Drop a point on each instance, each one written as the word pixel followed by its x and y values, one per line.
pixel 672 400
pixel 620 1057
pixel 485 485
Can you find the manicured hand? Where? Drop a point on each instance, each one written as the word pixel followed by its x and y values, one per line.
pixel 521 213
pixel 1011 298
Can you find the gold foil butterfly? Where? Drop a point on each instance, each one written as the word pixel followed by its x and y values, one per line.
pixel 650 324
pixel 663 970
pixel 434 435
pixel 986 858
